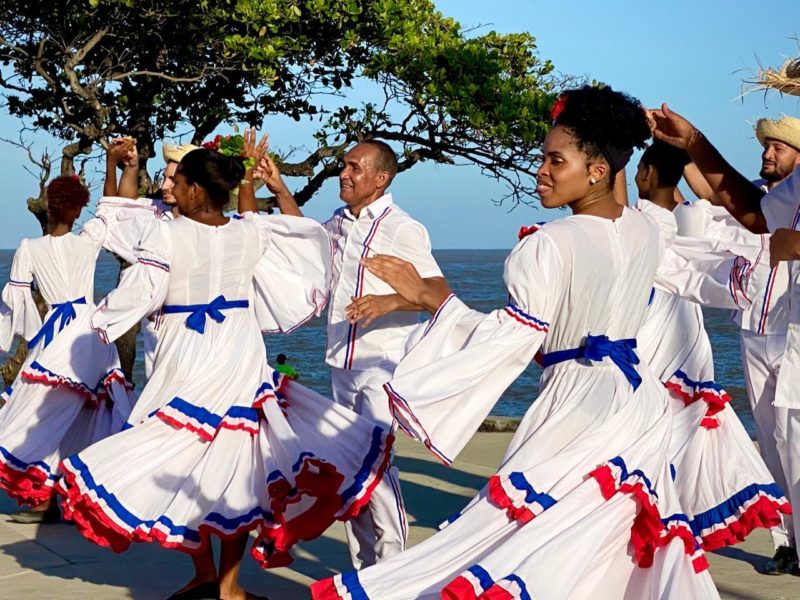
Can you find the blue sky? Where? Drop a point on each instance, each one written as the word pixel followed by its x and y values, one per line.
pixel 692 55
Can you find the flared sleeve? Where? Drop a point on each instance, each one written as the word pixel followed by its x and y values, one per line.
pixel 461 361
pixel 142 287
pixel 714 273
pixel 119 224
pixel 18 312
pixel 292 279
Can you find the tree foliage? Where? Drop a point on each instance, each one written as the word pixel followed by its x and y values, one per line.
pixel 398 70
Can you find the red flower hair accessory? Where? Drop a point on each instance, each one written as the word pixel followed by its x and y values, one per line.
pixel 526 231
pixel 558 107
pixel 213 144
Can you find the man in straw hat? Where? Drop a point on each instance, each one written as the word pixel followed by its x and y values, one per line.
pixel 763 326
pixel 781 141
pixel 774 208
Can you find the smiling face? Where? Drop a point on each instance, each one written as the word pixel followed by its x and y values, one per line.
pixel 778 160
pixel 360 182
pixel 168 184
pixel 566 172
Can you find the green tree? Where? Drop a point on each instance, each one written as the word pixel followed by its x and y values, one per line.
pixel 84 70
pixel 398 70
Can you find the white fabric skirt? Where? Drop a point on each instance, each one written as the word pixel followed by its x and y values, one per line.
pixel 724 485
pixel 222 444
pixel 67 396
pixel 586 480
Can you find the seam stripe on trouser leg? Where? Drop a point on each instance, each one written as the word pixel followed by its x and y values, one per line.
pixel 761 358
pixel 380 530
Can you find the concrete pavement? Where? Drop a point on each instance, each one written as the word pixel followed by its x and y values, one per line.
pixel 54 562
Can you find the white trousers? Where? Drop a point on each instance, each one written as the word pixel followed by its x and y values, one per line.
pixel 381 529
pixel 777 429
pixel 149 341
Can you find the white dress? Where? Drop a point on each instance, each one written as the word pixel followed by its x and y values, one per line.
pixel 219 442
pixel 724 485
pixel 583 505
pixel 70 391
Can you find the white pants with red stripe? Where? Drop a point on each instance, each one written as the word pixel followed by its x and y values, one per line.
pixel 777 429
pixel 381 530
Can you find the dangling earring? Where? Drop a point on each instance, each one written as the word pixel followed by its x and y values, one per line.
pixel 592 181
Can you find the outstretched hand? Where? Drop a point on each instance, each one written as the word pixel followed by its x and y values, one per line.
pixel 255 150
pixel 672 128
pixel 403 277
pixel 267 171
pixel 370 307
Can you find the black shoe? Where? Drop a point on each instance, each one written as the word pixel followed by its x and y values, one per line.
pixel 784 561
pixel 45 517
pixel 205 591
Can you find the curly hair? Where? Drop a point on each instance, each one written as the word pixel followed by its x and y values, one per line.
pixel 604 122
pixel 667 160
pixel 216 173
pixel 66 196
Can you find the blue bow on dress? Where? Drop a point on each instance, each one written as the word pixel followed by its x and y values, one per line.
pixel 63 312
pixel 197 319
pixel 596 348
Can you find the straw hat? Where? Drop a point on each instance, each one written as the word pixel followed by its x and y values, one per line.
pixel 175 152
pixel 785 129
pixel 785 79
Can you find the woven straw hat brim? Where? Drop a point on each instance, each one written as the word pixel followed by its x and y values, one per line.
pixel 786 130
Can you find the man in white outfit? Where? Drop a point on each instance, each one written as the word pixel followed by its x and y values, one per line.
pixel 763 333
pixel 775 369
pixel 367 321
pixel 763 326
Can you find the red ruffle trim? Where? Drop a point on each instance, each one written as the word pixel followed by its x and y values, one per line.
pixel 316 479
pixel 319 480
pixel 97 527
pixel 648 533
pixel 764 512
pixel 324 589
pixel 522 514
pixel 276 394
pixel 716 401
pixel 458 589
pixel 496 593
pixel 92 397
pixel 26 487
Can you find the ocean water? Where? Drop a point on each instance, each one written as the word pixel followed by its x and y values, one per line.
pixel 477 277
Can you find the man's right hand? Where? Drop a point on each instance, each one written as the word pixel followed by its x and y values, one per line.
pixel 267 171
pixel 672 128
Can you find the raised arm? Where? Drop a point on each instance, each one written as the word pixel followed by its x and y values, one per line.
pixel 733 190
pixel 115 154
pixel 129 181
pixel 268 172
pixel 252 152
pixel 698 184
